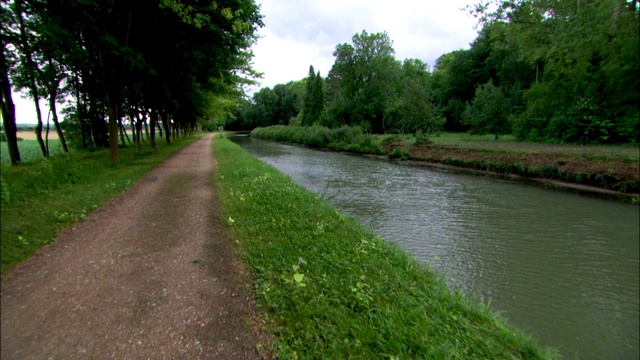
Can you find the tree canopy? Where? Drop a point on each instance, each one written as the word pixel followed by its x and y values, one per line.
pixel 168 58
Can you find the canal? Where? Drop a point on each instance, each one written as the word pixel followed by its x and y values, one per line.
pixel 560 266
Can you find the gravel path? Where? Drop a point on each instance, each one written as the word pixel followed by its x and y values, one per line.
pixel 150 275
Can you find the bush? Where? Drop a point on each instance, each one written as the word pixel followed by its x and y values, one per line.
pixel 422 139
pixel 399 153
pixel 343 138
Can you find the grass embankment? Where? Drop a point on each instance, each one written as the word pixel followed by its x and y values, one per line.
pixel 330 288
pixel 608 167
pixel 40 198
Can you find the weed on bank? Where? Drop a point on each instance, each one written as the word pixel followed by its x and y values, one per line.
pixel 39 199
pixel 330 288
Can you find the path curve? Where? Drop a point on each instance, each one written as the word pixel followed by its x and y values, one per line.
pixel 150 275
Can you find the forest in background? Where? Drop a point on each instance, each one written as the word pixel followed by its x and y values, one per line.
pixel 549 71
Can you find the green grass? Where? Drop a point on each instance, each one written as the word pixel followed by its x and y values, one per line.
pixel 508 143
pixel 329 288
pixel 29 150
pixel 40 198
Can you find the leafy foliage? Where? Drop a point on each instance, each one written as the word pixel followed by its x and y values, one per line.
pixel 489 111
pixel 182 61
pixel 313 104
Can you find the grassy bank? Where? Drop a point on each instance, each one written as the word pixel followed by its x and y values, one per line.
pixel 608 167
pixel 330 288
pixel 41 198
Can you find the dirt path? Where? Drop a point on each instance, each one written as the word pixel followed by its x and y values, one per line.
pixel 150 275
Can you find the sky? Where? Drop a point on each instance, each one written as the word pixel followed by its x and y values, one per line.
pixel 299 33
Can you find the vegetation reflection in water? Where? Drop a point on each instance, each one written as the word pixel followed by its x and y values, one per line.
pixel 561 266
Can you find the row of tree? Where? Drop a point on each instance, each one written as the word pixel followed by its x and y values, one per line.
pixel 545 70
pixel 172 61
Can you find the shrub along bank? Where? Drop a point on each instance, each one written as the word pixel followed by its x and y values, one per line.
pixel 330 288
pixel 608 167
pixel 40 198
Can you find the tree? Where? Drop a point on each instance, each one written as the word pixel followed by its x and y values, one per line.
pixel 413 108
pixel 165 57
pixel 8 109
pixel 313 104
pixel 489 111
pixel 28 68
pixel 577 50
pixel 366 72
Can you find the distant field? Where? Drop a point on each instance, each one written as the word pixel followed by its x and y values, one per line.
pixel 509 144
pixel 30 150
pixel 31 135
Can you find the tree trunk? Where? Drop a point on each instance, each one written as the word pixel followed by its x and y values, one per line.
pixel 146 127
pixel 46 134
pixel 80 110
pixel 38 131
pixel 152 131
pixel 9 112
pixel 138 133
pixel 123 133
pixel 114 154
pixel 134 128
pixel 167 129
pixel 31 71
pixel 52 106
pixel 98 128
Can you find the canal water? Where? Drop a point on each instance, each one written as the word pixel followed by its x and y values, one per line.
pixel 560 266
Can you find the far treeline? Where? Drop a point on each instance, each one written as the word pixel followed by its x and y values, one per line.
pixel 561 71
pixel 147 62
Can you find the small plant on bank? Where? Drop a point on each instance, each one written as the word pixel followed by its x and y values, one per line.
pixel 422 139
pixel 399 153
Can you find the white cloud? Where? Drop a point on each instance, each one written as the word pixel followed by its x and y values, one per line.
pixel 302 33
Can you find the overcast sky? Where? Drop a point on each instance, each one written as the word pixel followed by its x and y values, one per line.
pixel 299 33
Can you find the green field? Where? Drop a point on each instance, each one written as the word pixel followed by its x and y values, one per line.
pixel 508 143
pixel 29 150
pixel 330 288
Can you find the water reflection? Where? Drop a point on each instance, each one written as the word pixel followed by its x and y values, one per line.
pixel 561 266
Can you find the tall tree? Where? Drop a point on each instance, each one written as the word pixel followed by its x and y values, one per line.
pixel 313 105
pixel 28 67
pixel 416 106
pixel 489 111
pixel 366 70
pixel 8 108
